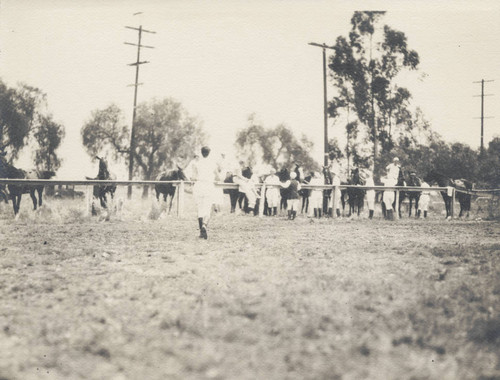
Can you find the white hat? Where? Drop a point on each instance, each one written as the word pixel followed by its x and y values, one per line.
pixel 395 159
pixel 293 175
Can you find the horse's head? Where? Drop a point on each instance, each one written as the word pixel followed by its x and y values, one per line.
pixel 247 172
pixel 180 174
pixel 103 168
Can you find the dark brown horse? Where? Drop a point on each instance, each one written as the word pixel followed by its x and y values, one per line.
pixel 356 195
pixel 413 196
pixel 16 191
pixel 100 191
pixel 463 196
pixel 168 189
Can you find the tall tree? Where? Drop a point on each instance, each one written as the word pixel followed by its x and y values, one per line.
pixel 273 146
pixel 165 133
pixel 48 136
pixel 20 109
pixel 106 131
pixel 364 69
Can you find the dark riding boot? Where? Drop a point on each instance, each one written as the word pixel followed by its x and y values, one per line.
pixel 289 214
pixel 294 214
pixel 315 212
pixel 425 214
pixel 371 214
pixel 319 213
pixel 390 214
pixel 330 212
pixel 338 213
pixel 419 213
pixel 275 211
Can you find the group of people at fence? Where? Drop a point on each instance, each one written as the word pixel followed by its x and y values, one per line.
pixel 317 194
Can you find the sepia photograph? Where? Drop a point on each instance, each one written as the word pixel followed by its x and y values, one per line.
pixel 239 190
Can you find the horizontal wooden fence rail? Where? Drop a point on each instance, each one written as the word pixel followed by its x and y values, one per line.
pixel 223 185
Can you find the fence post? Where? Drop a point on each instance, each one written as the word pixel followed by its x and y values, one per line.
pixel 334 201
pixel 89 200
pixel 262 200
pixel 452 208
pixel 180 199
pixel 397 203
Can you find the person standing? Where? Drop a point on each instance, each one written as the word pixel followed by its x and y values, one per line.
pixel 370 193
pixel 204 172
pixel 316 197
pixel 425 197
pixel 388 197
pixel 272 192
pixel 337 195
pixel 393 170
pixel 293 187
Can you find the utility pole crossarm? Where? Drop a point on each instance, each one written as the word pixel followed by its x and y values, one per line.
pixel 143 30
pixel 137 63
pixel 324 46
pixel 142 46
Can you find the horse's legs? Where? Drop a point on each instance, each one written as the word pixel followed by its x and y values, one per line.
pixel 40 191
pixel 171 200
pixel 103 200
pixel 16 202
pixel 33 198
pixel 410 205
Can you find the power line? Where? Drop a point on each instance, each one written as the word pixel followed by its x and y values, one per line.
pixel 482 81
pixel 137 64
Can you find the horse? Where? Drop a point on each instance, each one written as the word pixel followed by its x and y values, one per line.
pixel 413 196
pixel 461 184
pixel 169 188
pixel 100 191
pixel 356 195
pixel 16 191
pixel 233 193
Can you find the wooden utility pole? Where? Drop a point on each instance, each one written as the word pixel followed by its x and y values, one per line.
pixel 482 111
pixel 137 63
pixel 325 105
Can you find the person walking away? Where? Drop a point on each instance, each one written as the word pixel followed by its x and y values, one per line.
pixel 316 197
pixel 293 187
pixel 370 193
pixel 204 172
pixel 425 197
pixel 272 182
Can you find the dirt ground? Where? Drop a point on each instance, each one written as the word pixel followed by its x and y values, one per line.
pixel 138 295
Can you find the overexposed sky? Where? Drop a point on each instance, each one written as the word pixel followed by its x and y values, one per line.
pixel 224 60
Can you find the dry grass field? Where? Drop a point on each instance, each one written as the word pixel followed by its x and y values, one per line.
pixel 134 296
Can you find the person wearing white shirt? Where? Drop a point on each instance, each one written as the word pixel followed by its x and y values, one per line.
pixel 423 203
pixel 370 194
pixel 316 197
pixel 203 171
pixel 393 170
pixel 272 182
